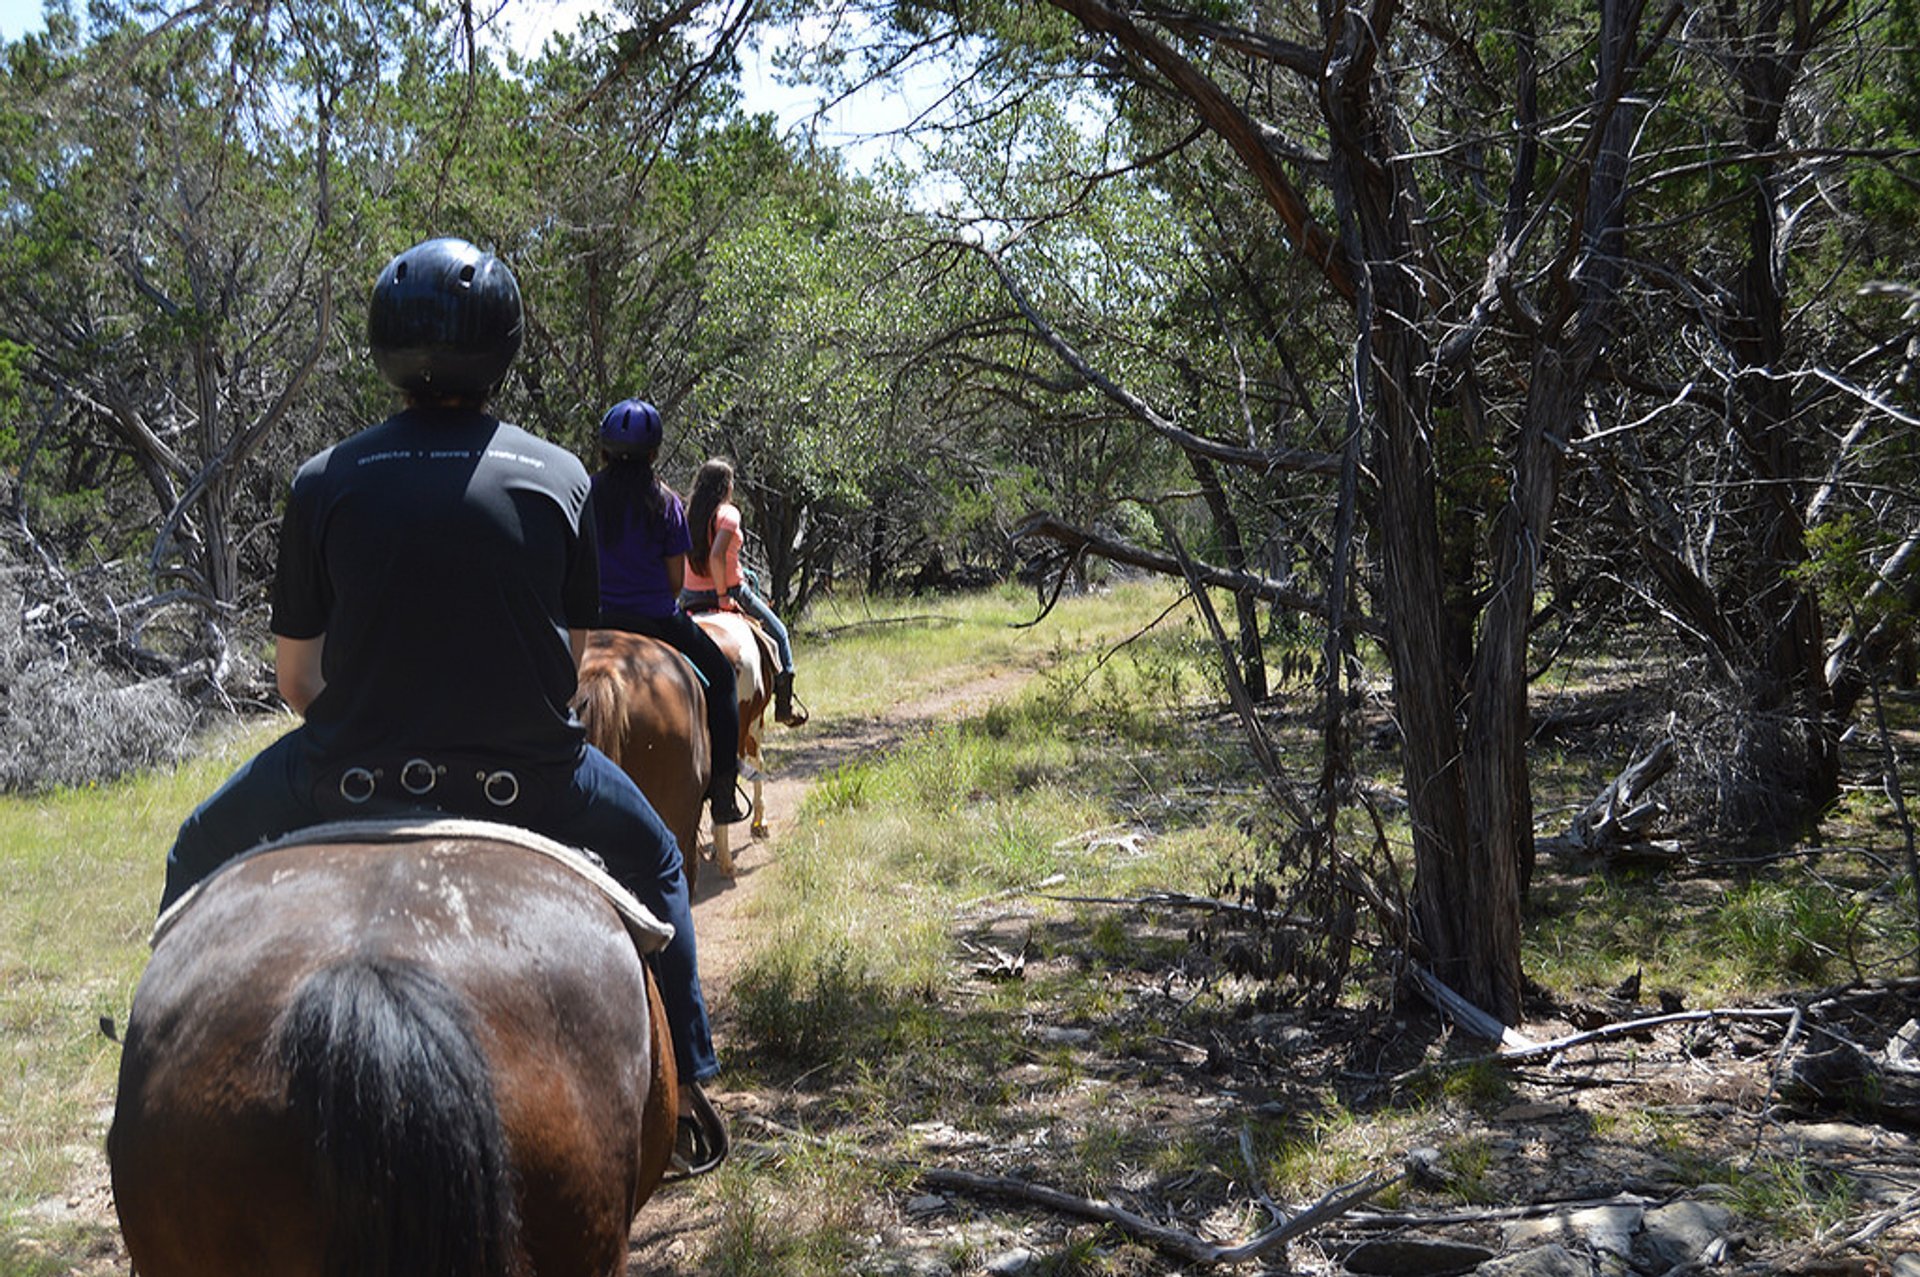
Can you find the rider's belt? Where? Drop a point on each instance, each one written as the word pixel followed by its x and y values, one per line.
pixel 464 784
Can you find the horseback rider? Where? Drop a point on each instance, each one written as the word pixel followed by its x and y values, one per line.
pixel 642 527
pixel 436 578
pixel 715 581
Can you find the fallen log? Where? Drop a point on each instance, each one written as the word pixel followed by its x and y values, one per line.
pixel 1880 1086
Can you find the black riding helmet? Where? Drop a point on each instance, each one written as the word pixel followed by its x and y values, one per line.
pixel 445 319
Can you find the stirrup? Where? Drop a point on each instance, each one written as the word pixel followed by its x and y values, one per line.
pixel 700 1141
pixel 738 804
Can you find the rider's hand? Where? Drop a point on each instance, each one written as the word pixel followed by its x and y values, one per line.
pixel 728 605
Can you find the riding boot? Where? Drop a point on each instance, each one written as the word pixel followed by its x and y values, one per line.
pixel 726 806
pixel 783 707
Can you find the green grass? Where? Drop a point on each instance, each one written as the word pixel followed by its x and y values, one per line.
pixel 78 886
pixel 1111 774
pixel 857 657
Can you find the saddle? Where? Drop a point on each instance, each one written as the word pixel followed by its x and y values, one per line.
pixel 649 933
pixel 769 650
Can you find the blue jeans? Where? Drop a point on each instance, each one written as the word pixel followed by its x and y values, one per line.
pixel 753 604
pixel 600 809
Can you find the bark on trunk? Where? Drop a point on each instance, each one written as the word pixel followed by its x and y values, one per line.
pixel 1253 662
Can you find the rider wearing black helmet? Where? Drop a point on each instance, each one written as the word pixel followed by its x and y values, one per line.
pixel 642 526
pixel 437 575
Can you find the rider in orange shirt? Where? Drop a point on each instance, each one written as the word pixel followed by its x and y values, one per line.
pixel 714 580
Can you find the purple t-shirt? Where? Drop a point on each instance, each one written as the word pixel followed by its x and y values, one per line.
pixel 634 549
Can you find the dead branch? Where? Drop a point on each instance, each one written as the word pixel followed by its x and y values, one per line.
pixel 1883 1086
pixel 1618 816
pixel 1906 1208
pixel 1628 1028
pixel 1335 1203
pixel 1859 991
pixel 1486 1214
pixel 1479 1023
pixel 878 622
pixel 1046 525
pixel 1529 1050
pixel 1181 900
pixel 1332 1205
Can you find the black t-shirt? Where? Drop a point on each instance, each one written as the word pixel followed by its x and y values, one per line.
pixel 444 555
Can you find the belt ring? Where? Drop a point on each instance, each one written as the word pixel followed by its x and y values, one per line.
pixel 502 788
pixel 418 776
pixel 357 784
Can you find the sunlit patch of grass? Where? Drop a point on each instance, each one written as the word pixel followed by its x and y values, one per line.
pixel 1081 1255
pixel 849 649
pixel 1101 1150
pixel 1481 1085
pixel 1467 1162
pixel 1793 1198
pixel 1185 1153
pixel 1593 933
pixel 78 886
pixel 806 1215
pixel 1301 1159
pixel 1787 932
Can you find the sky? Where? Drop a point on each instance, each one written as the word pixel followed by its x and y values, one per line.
pixel 17 17
pixel 852 127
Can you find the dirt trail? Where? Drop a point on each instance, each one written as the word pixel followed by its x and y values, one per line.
pixel 670 1227
pixel 804 755
pixel 670 1223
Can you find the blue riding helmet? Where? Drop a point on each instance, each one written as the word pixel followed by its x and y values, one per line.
pixel 445 319
pixel 631 428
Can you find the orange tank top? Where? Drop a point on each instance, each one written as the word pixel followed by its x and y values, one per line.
pixel 725 519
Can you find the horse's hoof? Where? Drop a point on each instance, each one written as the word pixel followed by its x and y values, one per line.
pixel 759 830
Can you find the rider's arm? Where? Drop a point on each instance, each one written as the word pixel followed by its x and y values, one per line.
pixel 677 571
pixel 296 669
pixel 723 537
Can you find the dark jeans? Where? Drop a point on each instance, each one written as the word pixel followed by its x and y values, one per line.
pixel 598 808
pixel 723 695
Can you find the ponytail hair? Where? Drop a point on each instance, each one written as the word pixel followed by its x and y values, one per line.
pixel 710 488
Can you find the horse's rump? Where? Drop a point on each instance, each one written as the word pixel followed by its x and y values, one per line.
pixel 752 651
pixel 353 1051
pixel 644 706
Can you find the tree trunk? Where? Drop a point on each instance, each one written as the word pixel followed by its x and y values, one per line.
pixel 1252 656
pixel 1467 911
pixel 1793 644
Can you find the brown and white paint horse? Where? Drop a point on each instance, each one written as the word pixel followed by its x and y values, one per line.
pixel 755 661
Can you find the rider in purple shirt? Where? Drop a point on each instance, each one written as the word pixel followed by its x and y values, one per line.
pixel 642 528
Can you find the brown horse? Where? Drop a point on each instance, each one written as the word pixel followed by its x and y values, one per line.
pixel 755 661
pixel 644 706
pixel 441 1055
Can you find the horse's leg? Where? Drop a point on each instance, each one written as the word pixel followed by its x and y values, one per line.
pixel 750 747
pixel 723 849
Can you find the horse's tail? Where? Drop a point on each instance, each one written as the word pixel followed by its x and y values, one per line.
pixel 601 702
pixel 411 1169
